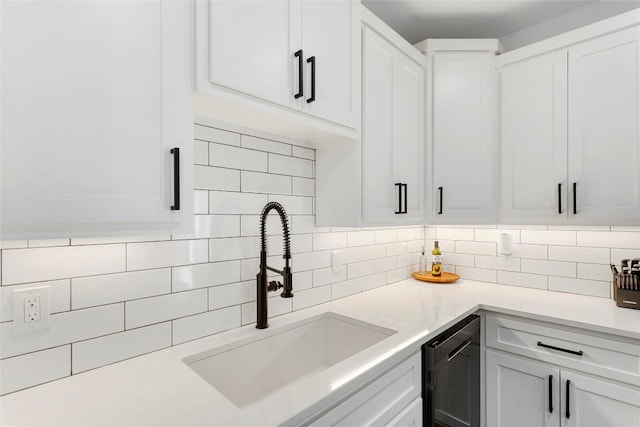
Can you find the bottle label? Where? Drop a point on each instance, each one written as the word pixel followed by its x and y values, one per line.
pixel 437 259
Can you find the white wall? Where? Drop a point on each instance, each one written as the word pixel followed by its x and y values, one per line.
pixel 117 298
pixel 595 12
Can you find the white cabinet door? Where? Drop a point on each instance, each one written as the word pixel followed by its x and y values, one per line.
pixel 411 416
pixel 94 96
pixel 392 135
pixel 533 138
pixel 521 392
pixel 595 402
pixel 604 139
pixel 328 31
pixel 251 48
pixel 463 137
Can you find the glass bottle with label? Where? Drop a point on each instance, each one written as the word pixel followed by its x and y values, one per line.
pixel 436 264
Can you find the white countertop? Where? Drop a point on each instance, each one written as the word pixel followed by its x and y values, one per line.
pixel 159 389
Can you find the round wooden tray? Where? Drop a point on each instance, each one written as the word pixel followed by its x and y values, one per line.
pixel 444 278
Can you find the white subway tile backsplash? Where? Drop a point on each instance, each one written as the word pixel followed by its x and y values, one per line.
pixel 232 294
pixel 304 153
pixel 64 328
pixel 209 323
pixel 277 307
pixel 213 178
pixel 600 272
pixel 301 280
pixel 250 225
pixel 294 205
pixel 326 276
pixel 451 258
pixel 385 236
pixel 59 297
pixel 454 234
pixel 48 243
pixel 234 248
pixel 480 274
pixel 498 262
pixel 306 224
pixel 112 288
pixel 385 264
pixel 93 353
pixel 205 275
pixel 249 267
pixel 142 256
pixel 493 235
pixel 551 268
pixel 359 269
pixel 303 187
pixel 268 145
pixel 200 202
pixel 526 280
pixel 610 239
pixel 396 248
pixel 311 260
pixel 20 372
pixel 226 156
pixel 286 165
pixel 478 248
pixel 360 238
pixel 201 152
pixel 221 202
pixel 374 281
pixel 579 254
pixel 311 297
pixel 207 133
pixel 257 182
pixel 580 286
pixel 619 254
pixel 211 226
pixel 523 250
pixel 322 241
pixel 346 288
pixel 60 263
pixel 374 252
pixel 547 237
pixel 159 309
pixel 398 274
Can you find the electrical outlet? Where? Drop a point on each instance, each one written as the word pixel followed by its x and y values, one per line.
pixel 30 309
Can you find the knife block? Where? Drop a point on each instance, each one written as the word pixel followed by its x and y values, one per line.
pixel 627 298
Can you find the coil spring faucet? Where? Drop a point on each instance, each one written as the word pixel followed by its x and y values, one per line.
pixel 263 286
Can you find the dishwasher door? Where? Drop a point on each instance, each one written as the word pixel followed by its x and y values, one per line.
pixel 451 376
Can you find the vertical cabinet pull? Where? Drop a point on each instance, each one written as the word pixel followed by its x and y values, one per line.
pixel 312 61
pixel 440 190
pixel 402 198
pixel 176 179
pixel 575 198
pixel 551 394
pixel 560 198
pixel 300 93
pixel 567 413
pixel 406 196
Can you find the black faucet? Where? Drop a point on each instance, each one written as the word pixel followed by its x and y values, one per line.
pixel 263 286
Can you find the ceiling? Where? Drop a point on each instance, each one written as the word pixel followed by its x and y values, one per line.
pixel 417 20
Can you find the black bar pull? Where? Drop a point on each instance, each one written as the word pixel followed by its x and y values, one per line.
pixel 300 93
pixel 577 353
pixel 441 191
pixel 567 413
pixel 399 186
pixel 575 198
pixel 551 394
pixel 559 197
pixel 405 197
pixel 176 179
pixel 312 61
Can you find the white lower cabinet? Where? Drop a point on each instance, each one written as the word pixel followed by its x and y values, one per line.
pixel 391 400
pixel 527 392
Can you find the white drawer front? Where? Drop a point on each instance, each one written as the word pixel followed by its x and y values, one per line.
pixel 411 416
pixel 601 356
pixel 378 403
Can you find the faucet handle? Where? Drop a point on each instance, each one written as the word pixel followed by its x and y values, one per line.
pixel 274 286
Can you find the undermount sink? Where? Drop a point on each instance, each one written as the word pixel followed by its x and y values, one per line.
pixel 249 370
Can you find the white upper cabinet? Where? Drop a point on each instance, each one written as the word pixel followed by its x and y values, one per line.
pixel 604 130
pixel 463 137
pixel 533 128
pixel 569 134
pixel 289 67
pixel 392 132
pixel 94 97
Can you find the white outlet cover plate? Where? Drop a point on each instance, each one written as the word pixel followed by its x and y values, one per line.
pixel 19 297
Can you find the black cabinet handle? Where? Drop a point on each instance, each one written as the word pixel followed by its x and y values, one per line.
pixel 312 61
pixel 406 187
pixel 176 179
pixel 577 353
pixel 551 394
pixel 567 412
pixel 575 198
pixel 399 186
pixel 441 191
pixel 560 198
pixel 300 93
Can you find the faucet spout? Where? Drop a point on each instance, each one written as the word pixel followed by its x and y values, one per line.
pixel 263 285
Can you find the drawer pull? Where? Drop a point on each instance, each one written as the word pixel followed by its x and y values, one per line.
pixel 459 350
pixel 551 394
pixel 567 413
pixel 577 353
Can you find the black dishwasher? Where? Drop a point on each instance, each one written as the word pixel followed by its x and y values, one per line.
pixel 451 376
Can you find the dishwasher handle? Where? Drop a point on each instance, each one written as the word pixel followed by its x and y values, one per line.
pixel 458 350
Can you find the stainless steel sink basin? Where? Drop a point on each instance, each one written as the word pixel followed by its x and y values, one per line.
pixel 248 370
